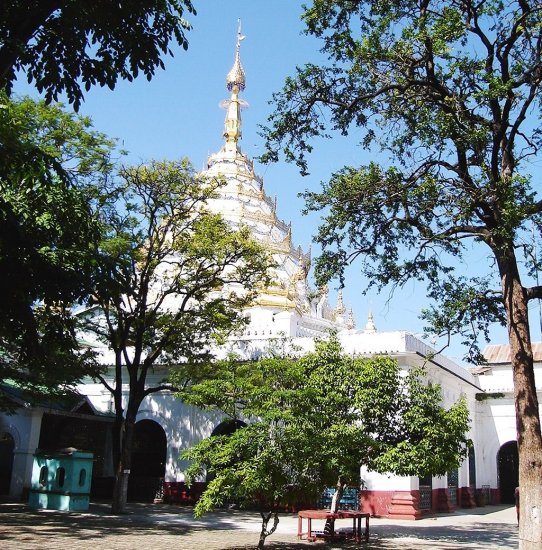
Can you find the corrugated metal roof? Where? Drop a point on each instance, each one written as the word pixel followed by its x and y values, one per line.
pixel 500 353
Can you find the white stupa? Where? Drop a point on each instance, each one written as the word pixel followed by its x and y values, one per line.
pixel 288 307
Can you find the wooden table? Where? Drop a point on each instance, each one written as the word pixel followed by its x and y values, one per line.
pixel 356 518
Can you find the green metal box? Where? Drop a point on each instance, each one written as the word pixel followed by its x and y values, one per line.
pixel 61 480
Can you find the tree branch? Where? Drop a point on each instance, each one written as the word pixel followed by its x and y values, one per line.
pixel 533 293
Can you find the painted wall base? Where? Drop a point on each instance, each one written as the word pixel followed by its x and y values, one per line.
pixel 396 504
pixel 376 503
pixel 442 501
pixel 466 497
pixel 405 505
pixel 177 492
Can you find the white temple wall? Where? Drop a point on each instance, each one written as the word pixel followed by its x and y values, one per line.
pixel 439 482
pixel 500 379
pixel 183 424
pixel 496 425
pixel 495 418
pixel 24 427
pixel 373 481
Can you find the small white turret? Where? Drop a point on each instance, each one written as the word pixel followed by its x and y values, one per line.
pixel 370 326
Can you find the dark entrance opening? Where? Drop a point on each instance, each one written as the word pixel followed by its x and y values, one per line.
pixel 453 482
pixel 228 427
pixel 7 445
pixel 508 469
pixel 426 492
pixel 148 461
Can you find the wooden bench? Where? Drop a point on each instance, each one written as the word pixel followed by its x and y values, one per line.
pixel 356 518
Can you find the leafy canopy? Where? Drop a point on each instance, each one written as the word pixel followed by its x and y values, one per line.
pixel 173 275
pixel 51 164
pixel 173 280
pixel 315 419
pixel 448 93
pixel 67 46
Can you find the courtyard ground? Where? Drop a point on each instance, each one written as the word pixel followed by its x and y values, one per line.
pixel 163 527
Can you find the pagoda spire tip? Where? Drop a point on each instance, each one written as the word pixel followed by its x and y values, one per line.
pixel 236 76
pixel 235 82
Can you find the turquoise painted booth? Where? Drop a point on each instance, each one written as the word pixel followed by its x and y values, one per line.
pixel 61 480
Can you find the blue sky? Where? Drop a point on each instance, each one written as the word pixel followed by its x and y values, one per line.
pixel 177 114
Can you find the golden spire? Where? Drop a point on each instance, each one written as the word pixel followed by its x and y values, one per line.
pixel 235 82
pixel 236 76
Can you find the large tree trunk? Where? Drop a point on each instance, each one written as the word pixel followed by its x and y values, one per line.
pixel 118 430
pixel 526 404
pixel 120 492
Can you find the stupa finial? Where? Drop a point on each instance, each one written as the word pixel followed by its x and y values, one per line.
pixel 236 76
pixel 350 323
pixel 235 82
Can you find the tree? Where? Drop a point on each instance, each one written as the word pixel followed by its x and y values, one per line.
pixel 47 226
pixel 67 45
pixel 51 163
pixel 450 92
pixel 174 278
pixel 312 422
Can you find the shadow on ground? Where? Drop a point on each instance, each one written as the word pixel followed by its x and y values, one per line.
pixel 20 525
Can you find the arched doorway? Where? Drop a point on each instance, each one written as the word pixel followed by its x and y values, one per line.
pixel 227 427
pixel 508 470
pixel 148 461
pixel 7 446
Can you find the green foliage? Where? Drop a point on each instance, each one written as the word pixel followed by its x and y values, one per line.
pixel 51 164
pixel 173 279
pixel 316 419
pixel 68 46
pixel 464 307
pixel 487 396
pixel 173 276
pixel 42 367
pixel 445 92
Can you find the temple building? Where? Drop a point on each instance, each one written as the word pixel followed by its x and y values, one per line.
pixel 291 309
